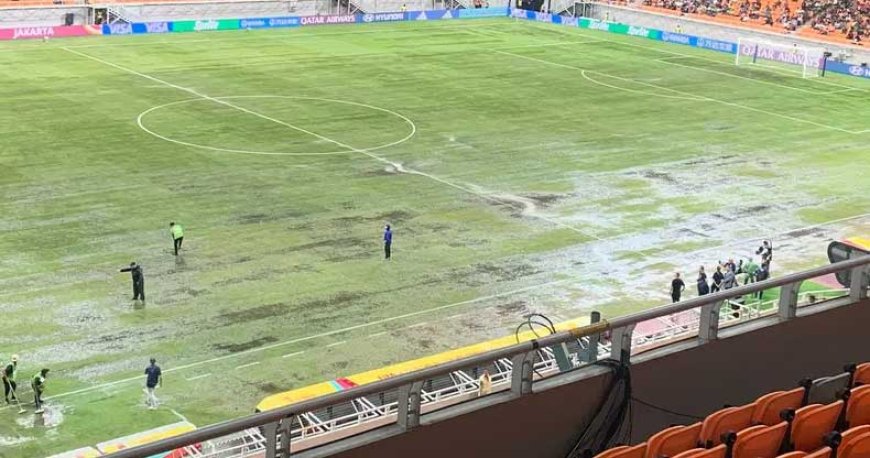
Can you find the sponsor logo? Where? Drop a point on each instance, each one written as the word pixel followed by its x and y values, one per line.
pixel 599 25
pixel 858 70
pixel 284 22
pixel 716 45
pixel 676 38
pixel 203 26
pixel 383 17
pixel 569 21
pixel 156 27
pixel 422 17
pixel 32 32
pixel 317 20
pixel 120 29
pixel 638 31
pixel 543 17
pixel 791 56
pixel 253 23
pixel 447 15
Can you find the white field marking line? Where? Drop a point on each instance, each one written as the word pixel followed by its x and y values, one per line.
pixel 197 377
pixel 376 157
pixel 453 317
pixel 701 69
pixel 313 337
pixel 413 126
pixel 647 94
pixel 418 325
pixel 243 366
pixel 335 344
pixel 689 94
pixel 377 334
pixel 567 31
pixel 290 355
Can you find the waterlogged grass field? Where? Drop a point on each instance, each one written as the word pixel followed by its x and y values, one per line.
pixel 524 167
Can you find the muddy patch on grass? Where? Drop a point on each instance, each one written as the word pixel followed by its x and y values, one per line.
pixel 659 176
pixel 513 309
pixel 257 313
pixel 392 217
pixel 260 218
pixel 237 347
pixel 545 200
pixel 331 243
pixel 806 232
pixel 334 302
pixel 269 388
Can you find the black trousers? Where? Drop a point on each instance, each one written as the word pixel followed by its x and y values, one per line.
pixel 387 249
pixel 178 244
pixel 675 297
pixel 139 290
pixel 37 398
pixel 9 387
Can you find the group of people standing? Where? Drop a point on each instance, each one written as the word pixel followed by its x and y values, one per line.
pixel 728 274
pixel 10 385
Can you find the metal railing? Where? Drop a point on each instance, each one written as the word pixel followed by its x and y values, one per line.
pixel 528 361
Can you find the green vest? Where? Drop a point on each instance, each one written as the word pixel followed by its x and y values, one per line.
pixel 177 231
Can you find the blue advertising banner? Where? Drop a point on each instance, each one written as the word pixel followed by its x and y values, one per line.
pixel 481 12
pixel 687 40
pixel 151 27
pixel 381 17
pixel 432 15
pixel 861 71
pixel 716 45
pixel 117 29
pixel 269 22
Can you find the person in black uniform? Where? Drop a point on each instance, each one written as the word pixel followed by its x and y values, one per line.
pixel 138 280
pixel 677 287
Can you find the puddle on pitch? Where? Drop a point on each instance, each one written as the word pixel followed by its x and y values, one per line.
pixel 52 417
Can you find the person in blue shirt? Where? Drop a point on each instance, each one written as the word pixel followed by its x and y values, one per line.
pixel 388 241
pixel 153 379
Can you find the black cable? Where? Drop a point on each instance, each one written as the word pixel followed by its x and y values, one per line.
pixel 662 409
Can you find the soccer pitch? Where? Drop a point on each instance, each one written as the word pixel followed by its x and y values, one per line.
pixel 524 167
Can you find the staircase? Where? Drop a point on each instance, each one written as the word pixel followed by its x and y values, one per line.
pixel 120 14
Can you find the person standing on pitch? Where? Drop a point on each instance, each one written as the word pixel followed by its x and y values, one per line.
pixel 177 233
pixel 8 376
pixel 388 241
pixel 38 385
pixel 677 287
pixel 153 379
pixel 138 280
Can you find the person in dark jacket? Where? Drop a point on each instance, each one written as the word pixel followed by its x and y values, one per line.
pixel 677 287
pixel 718 277
pixel 138 281
pixel 388 241
pixel 703 287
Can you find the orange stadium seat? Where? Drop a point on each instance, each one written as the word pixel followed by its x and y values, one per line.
pixel 858 409
pixel 862 374
pixel 853 433
pixel 728 419
pixel 673 440
pixel 812 423
pixel 857 448
pixel 793 455
pixel 624 451
pixel 768 407
pixel 824 452
pixel 716 452
pixel 759 441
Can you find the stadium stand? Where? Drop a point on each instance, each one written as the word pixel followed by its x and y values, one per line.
pixel 781 424
pixel 844 21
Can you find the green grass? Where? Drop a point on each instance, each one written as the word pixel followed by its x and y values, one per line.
pixel 522 172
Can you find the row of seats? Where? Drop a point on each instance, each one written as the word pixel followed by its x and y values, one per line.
pixel 827 417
